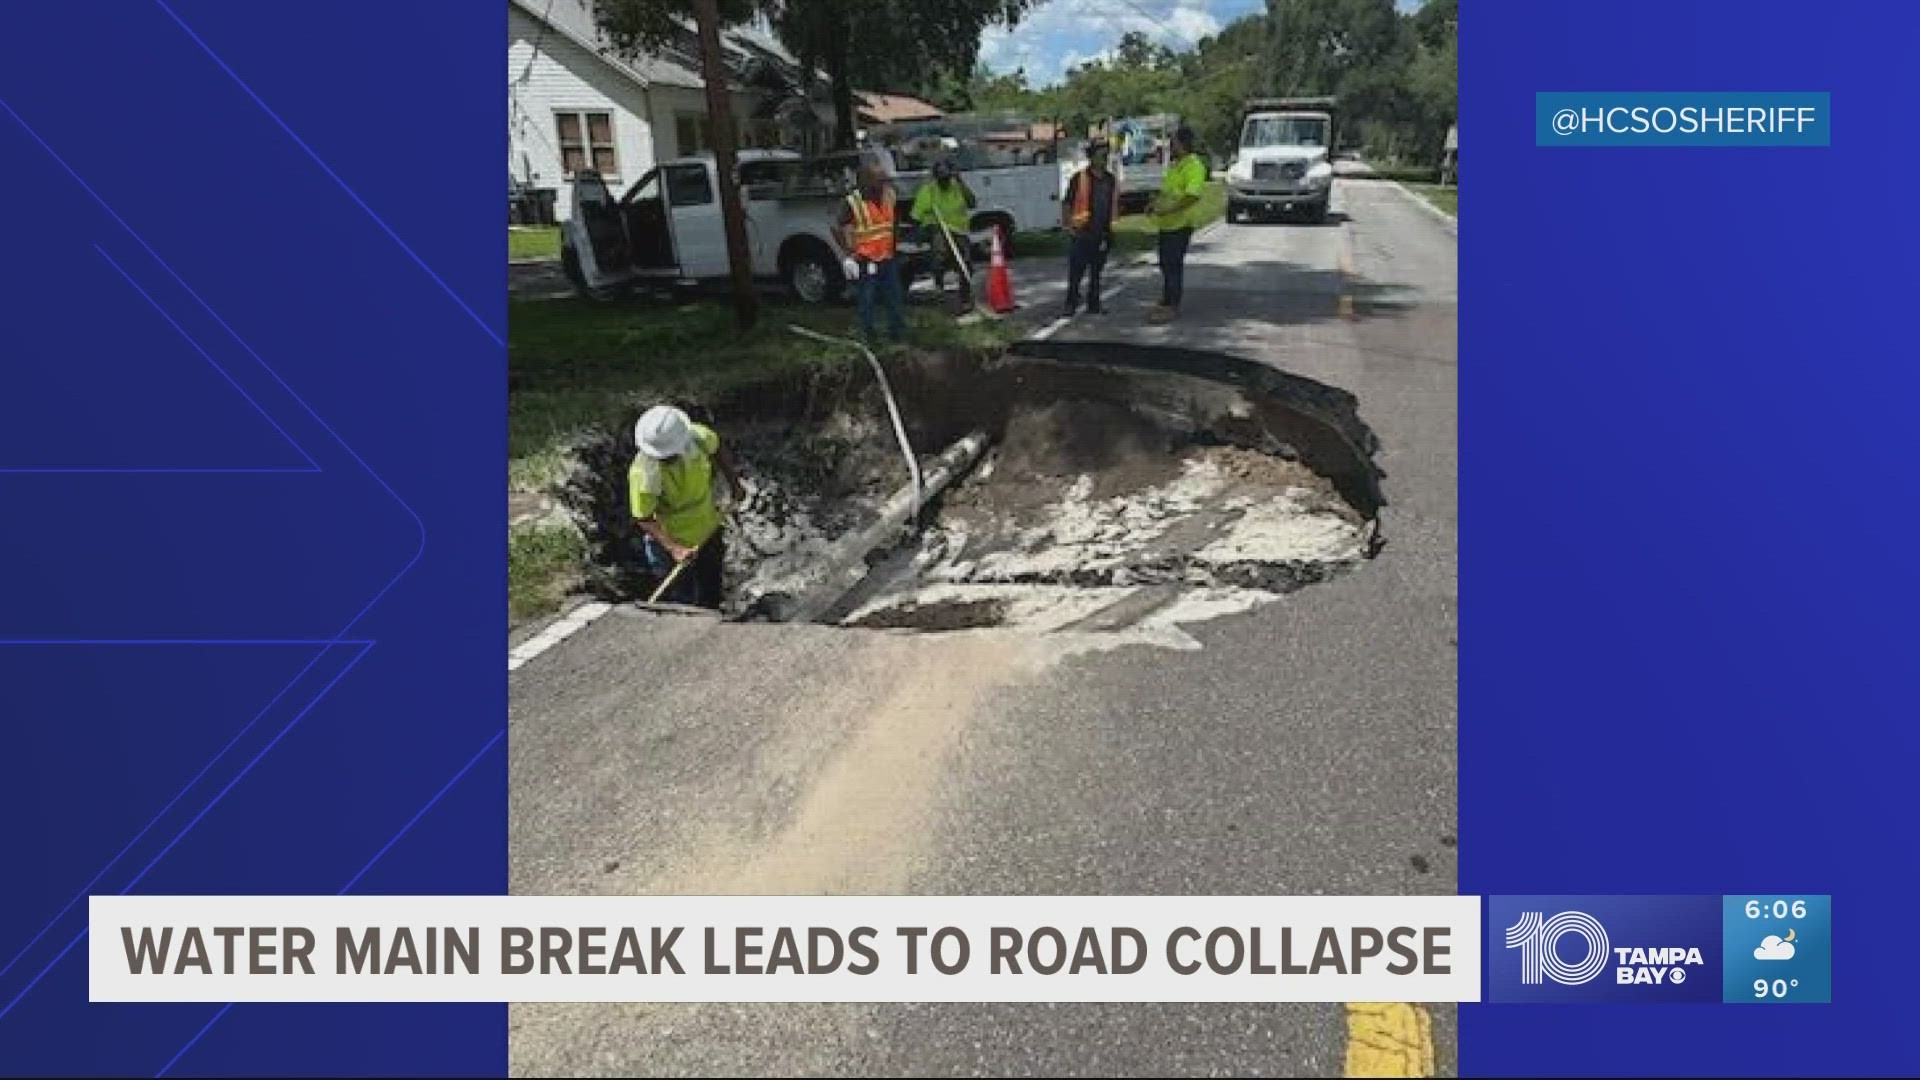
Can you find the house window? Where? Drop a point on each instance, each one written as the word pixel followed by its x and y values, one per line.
pixel 690 131
pixel 586 142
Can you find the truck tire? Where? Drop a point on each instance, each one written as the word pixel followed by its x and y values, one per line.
pixel 811 274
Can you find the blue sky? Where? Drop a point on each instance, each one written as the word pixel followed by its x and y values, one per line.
pixel 1061 33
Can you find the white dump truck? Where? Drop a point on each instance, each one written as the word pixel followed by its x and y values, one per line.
pixel 1283 163
pixel 666 230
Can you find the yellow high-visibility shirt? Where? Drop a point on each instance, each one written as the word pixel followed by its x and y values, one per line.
pixel 678 491
pixel 1188 176
pixel 932 204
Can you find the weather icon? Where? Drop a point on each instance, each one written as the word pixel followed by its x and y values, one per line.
pixel 1775 947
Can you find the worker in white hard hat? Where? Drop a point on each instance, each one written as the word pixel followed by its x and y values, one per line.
pixel 670 494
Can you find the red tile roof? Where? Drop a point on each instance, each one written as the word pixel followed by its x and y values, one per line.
pixel 894 108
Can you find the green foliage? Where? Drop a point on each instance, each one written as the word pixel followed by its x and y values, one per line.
pixel 1396 76
pixel 636 25
pixel 881 45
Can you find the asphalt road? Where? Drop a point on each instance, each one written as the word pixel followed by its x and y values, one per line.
pixel 1308 747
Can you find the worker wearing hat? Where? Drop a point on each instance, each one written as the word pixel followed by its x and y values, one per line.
pixel 670 494
pixel 943 207
pixel 1088 213
pixel 865 232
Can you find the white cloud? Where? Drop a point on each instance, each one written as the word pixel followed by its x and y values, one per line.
pixel 1061 33
pixel 1773 948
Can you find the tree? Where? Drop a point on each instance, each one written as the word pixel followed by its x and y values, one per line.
pixel 886 44
pixel 733 216
pixel 1397 76
pixel 1434 79
pixel 635 25
pixel 1139 52
pixel 1355 49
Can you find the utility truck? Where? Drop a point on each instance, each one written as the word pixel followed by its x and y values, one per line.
pixel 1139 149
pixel 666 230
pixel 1283 163
pixel 1012 164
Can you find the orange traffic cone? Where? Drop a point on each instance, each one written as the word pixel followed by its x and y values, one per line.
pixel 999 283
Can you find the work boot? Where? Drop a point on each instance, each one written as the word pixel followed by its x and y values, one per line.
pixel 1073 305
pixel 1161 314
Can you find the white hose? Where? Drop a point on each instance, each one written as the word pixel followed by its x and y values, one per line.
pixel 893 407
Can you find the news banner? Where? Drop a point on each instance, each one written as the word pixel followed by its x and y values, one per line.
pixel 1734 949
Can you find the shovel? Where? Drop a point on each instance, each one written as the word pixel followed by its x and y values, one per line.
pixel 965 274
pixel 674 575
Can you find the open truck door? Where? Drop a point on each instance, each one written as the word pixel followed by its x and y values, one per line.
pixel 693 206
pixel 643 209
pixel 607 243
pixel 595 253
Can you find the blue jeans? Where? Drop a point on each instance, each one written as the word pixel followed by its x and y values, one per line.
pixel 699 584
pixel 1086 258
pixel 1173 265
pixel 882 286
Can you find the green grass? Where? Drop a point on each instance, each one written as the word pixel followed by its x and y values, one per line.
pixel 1131 233
pixel 1446 198
pixel 543 564
pixel 1406 174
pixel 576 364
pixel 533 242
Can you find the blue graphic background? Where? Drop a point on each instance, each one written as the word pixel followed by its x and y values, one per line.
pixel 1807 974
pixel 252 453
pixel 1647 922
pixel 1688 435
pixel 1688 583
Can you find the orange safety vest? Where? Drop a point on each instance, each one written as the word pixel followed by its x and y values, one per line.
pixel 1081 212
pixel 872 228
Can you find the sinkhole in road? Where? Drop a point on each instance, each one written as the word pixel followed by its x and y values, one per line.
pixel 1121 488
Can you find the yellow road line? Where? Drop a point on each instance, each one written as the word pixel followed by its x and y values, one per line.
pixel 1389 1039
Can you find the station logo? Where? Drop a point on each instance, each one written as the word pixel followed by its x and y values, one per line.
pixel 1604 949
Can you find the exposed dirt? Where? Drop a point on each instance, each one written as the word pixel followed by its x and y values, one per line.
pixel 936 615
pixel 1104 480
pixel 810 483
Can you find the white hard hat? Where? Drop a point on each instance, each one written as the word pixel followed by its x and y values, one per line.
pixel 663 432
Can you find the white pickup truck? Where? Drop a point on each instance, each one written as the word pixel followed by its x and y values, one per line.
pixel 666 229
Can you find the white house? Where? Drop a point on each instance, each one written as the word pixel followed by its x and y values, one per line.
pixel 573 104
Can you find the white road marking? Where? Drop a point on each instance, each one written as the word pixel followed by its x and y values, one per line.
pixel 1050 329
pixel 1452 222
pixel 1053 327
pixel 556 632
